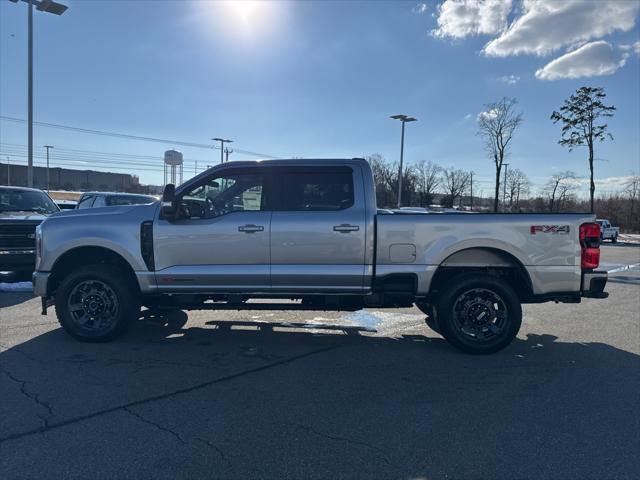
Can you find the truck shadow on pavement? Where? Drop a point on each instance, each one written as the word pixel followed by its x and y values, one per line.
pixel 278 402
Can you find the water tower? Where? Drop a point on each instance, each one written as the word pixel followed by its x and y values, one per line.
pixel 173 167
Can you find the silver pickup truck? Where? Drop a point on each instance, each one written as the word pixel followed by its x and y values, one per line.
pixel 309 230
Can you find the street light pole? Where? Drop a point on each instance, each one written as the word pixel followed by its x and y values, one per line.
pixel 30 99
pixel 404 119
pixel 222 142
pixel 48 147
pixel 48 6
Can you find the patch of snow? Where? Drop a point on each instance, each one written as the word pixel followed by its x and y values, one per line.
pixel 16 287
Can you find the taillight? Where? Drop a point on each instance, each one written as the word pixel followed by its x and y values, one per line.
pixel 590 244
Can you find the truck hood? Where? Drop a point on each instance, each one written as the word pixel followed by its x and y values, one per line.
pixel 143 210
pixel 22 216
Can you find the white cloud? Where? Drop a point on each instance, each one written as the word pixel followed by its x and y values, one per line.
pixel 548 25
pixel 489 114
pixel 462 18
pixel 509 79
pixel 634 47
pixel 420 8
pixel 592 59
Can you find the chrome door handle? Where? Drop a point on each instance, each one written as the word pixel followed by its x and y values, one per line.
pixel 251 228
pixel 345 228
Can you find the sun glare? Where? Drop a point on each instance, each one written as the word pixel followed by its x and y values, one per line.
pixel 247 11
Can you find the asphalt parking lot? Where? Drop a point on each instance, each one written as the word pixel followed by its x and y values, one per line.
pixel 372 394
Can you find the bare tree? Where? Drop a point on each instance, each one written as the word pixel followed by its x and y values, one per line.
pixel 455 181
pixel 496 126
pixel 559 187
pixel 579 116
pixel 632 191
pixel 518 186
pixel 384 178
pixel 427 177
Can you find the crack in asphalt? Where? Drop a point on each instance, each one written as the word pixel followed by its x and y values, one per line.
pixel 157 425
pixel 33 396
pixel 176 435
pixel 310 429
pixel 52 426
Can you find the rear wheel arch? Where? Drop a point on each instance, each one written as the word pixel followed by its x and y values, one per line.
pixel 491 261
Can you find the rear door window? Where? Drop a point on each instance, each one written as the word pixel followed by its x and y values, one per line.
pixel 316 190
pixel 86 201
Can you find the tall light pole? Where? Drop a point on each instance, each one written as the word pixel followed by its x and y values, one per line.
pixel 222 142
pixel 404 119
pixel 48 6
pixel 48 147
pixel 504 188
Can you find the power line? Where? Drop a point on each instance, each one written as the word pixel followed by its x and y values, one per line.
pixel 129 137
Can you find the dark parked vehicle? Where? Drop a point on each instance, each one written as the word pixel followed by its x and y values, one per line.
pixel 21 210
pixel 109 199
pixel 66 204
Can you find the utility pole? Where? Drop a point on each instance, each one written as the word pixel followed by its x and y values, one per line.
pixel 227 152
pixel 48 147
pixel 8 171
pixel 471 201
pixel 222 142
pixel 504 190
pixel 404 119
pixel 195 169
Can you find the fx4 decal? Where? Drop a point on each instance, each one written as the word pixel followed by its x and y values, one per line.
pixel 553 229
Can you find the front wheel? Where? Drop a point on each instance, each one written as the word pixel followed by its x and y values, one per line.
pixel 479 314
pixel 96 303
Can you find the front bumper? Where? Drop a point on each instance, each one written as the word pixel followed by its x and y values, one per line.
pixel 40 281
pixel 17 264
pixel 593 284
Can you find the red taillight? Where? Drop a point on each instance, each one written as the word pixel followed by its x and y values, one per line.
pixel 590 243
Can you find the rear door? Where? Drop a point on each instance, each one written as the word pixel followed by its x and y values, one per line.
pixel 318 230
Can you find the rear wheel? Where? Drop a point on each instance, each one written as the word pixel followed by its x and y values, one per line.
pixel 479 314
pixel 96 303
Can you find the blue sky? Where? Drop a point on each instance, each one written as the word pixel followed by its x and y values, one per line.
pixel 320 79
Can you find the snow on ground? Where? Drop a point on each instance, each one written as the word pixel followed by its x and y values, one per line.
pixel 16 287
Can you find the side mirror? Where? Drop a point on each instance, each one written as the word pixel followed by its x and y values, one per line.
pixel 168 207
pixel 169 193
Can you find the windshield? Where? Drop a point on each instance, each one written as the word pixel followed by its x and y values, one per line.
pixel 16 200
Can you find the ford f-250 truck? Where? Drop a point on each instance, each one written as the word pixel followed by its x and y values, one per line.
pixel 309 230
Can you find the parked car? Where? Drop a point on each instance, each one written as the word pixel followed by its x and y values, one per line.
pixel 21 210
pixel 109 199
pixel 66 204
pixel 608 232
pixel 309 230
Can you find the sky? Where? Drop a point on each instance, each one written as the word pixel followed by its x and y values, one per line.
pixel 318 80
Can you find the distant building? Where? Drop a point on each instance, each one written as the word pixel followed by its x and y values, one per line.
pixel 69 179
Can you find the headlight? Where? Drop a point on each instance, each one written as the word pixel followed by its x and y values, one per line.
pixel 38 245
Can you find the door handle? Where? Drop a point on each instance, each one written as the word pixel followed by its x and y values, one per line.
pixel 251 228
pixel 345 228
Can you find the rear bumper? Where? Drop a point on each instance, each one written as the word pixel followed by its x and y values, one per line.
pixel 593 284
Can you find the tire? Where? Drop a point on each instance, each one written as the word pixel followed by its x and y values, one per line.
pixel 614 239
pixel 431 318
pixel 96 303
pixel 463 313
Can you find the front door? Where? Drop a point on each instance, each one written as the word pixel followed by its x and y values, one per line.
pixel 318 231
pixel 219 242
